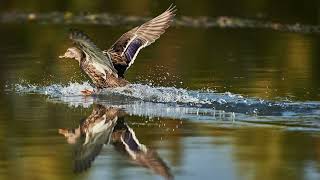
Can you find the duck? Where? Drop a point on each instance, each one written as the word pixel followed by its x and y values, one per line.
pixel 92 133
pixel 106 126
pixel 106 68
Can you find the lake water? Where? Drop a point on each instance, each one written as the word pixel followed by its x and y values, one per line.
pixel 204 103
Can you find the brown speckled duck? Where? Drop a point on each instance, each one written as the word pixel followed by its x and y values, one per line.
pixel 106 126
pixel 106 68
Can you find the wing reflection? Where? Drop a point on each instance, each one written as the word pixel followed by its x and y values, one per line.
pixel 125 141
pixel 106 126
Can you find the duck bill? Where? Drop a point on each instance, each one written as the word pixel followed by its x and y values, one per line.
pixel 62 57
pixel 63 132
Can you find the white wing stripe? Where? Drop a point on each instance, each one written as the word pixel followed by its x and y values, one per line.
pixel 137 52
pixel 128 44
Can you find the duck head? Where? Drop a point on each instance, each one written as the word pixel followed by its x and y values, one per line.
pixel 73 53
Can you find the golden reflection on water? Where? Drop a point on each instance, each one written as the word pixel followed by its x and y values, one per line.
pixel 245 152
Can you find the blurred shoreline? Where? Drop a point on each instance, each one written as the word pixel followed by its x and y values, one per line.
pixel 182 21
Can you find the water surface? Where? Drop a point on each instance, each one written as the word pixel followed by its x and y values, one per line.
pixel 224 103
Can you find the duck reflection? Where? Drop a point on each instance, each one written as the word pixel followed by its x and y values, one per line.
pixel 106 126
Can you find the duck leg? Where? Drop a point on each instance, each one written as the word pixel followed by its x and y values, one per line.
pixel 87 92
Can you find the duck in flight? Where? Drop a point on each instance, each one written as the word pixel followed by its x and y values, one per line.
pixel 106 68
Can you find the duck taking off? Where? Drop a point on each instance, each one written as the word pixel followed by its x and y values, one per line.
pixel 106 68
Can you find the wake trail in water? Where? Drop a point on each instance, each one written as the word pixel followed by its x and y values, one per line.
pixel 171 96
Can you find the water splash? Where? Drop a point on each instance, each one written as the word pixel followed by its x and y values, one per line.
pixel 55 90
pixel 157 94
pixel 151 110
pixel 228 102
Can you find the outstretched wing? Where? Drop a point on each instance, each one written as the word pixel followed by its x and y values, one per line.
pixel 84 157
pixel 92 52
pixel 127 47
pixel 124 140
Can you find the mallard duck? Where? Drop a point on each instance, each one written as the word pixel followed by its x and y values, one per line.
pixel 106 68
pixel 106 126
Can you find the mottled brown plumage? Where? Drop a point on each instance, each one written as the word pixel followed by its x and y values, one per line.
pixel 106 126
pixel 91 135
pixel 107 68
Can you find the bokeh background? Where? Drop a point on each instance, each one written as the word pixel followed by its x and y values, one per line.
pixel 285 11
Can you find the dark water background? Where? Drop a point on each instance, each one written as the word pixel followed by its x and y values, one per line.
pixel 264 66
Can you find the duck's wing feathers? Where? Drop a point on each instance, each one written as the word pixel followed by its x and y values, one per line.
pixel 130 43
pixel 84 156
pixel 99 127
pixel 92 52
